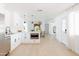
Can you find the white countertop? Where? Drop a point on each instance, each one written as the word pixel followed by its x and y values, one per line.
pixel 34 32
pixel 13 34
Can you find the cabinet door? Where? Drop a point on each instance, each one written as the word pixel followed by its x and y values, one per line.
pixel 18 37
pixel 13 42
pixel 23 37
pixel 76 44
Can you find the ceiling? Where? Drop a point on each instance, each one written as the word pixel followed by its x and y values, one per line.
pixel 48 10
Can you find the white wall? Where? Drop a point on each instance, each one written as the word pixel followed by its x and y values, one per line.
pixel 17 22
pixel 61 35
pixel 71 38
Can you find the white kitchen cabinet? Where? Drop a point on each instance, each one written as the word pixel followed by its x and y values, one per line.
pixel 71 43
pixel 13 42
pixel 16 40
pixel 25 37
pixel 74 44
pixel 74 31
pixel 77 44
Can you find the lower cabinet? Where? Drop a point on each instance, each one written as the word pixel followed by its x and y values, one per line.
pixel 71 44
pixel 16 39
pixel 74 44
pixel 13 42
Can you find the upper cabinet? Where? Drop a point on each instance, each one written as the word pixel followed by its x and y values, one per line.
pixel 2 18
pixel 2 22
pixel 4 14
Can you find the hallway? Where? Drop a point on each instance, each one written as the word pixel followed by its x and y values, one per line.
pixel 47 47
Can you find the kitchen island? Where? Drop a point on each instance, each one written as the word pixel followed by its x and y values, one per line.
pixel 35 37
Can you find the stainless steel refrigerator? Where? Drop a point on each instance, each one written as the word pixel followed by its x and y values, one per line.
pixel 4 45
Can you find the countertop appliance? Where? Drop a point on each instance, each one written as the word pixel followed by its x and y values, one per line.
pixel 4 44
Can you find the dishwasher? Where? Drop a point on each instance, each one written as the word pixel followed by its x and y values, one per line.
pixel 4 45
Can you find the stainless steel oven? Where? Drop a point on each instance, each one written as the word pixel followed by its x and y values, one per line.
pixel 34 35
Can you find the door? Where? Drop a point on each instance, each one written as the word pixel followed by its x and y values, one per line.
pixel 54 31
pixel 47 28
pixel 64 32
